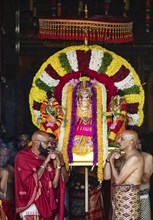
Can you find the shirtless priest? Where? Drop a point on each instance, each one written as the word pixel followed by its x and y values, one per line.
pixel 125 167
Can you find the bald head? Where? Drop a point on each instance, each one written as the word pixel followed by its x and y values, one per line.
pixel 38 135
pixel 128 138
pixel 131 135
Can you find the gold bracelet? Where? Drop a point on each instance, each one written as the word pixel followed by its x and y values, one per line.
pixel 42 166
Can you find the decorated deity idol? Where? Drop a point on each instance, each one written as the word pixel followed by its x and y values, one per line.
pixel 83 129
pixel 117 118
pixel 51 115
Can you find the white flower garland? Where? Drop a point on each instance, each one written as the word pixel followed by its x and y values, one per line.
pixel 104 121
pixel 96 59
pixel 62 129
pixel 126 83
pixel 48 80
pixel 72 58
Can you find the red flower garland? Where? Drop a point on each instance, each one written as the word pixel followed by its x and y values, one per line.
pixel 121 74
pixel 103 78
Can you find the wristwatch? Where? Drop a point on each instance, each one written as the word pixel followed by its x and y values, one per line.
pixel 59 167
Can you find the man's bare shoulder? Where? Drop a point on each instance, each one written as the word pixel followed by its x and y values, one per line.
pixel 136 160
pixel 148 158
pixel 137 156
pixel 147 155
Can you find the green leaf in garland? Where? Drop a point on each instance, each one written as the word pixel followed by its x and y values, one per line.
pixel 65 121
pixel 106 60
pixel 121 115
pixel 65 63
pixel 41 85
pixel 113 145
pixel 133 90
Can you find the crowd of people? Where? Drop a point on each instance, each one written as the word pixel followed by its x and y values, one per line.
pixel 33 179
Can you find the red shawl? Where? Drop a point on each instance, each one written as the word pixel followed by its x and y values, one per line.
pixel 2 214
pixel 9 209
pixel 29 190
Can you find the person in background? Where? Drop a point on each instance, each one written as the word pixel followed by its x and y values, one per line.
pixel 23 140
pixel 126 169
pixel 7 195
pixel 145 183
pixel 40 186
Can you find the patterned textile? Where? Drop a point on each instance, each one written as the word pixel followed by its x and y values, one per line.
pixel 145 205
pixel 96 205
pixel 126 202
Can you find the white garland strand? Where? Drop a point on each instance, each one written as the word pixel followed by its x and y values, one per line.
pixel 96 59
pixel 72 58
pixel 104 122
pixel 62 128
pixel 48 80
pixel 126 83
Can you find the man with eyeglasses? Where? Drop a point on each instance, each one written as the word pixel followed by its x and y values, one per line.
pixel 40 186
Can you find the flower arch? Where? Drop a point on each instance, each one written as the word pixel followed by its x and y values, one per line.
pixel 99 64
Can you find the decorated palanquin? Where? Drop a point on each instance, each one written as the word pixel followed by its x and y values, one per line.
pixel 100 95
